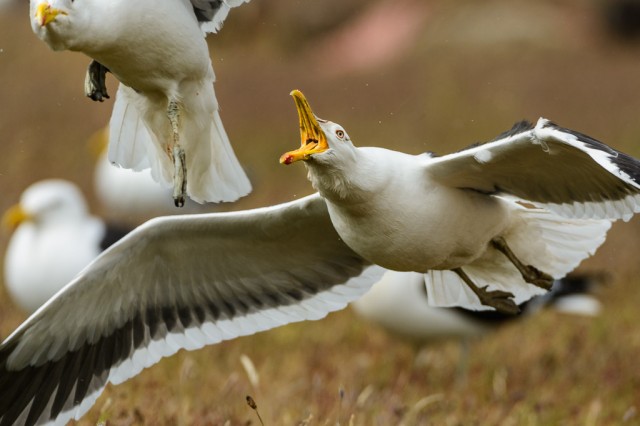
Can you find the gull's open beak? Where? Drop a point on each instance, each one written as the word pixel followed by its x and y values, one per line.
pixel 14 217
pixel 45 14
pixel 313 139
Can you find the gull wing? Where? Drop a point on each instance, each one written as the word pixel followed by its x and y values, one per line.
pixel 565 171
pixel 212 13
pixel 175 283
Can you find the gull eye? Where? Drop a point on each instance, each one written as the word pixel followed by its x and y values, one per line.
pixel 340 134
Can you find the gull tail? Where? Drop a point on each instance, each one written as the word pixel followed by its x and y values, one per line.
pixel 551 243
pixel 213 171
pixel 131 145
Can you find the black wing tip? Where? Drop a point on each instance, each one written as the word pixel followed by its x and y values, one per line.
pixel 206 10
pixel 624 162
pixel 519 127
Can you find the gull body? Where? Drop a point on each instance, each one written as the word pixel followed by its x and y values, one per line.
pixel 54 239
pixel 376 213
pixel 472 222
pixel 157 50
pixel 182 282
pixel 110 32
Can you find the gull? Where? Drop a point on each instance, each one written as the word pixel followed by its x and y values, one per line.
pixel 182 282
pixel 465 220
pixel 132 197
pixel 175 282
pixel 54 238
pixel 165 116
pixel 399 304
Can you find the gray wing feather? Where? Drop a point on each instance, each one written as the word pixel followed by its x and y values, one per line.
pixel 176 282
pixel 563 170
pixel 212 13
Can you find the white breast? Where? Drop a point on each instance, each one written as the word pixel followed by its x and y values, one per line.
pixel 412 224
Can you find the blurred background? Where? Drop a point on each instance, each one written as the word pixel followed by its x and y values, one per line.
pixel 412 75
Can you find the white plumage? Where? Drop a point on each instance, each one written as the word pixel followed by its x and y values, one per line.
pixel 132 197
pixel 55 238
pixel 399 304
pixel 165 107
pixel 186 281
pixel 460 218
pixel 176 282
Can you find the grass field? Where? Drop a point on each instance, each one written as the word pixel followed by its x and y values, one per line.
pixel 467 73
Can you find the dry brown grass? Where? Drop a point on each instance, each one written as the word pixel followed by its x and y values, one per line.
pixel 452 88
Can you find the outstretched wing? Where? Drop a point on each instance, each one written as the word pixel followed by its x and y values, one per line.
pixel 563 170
pixel 175 283
pixel 212 13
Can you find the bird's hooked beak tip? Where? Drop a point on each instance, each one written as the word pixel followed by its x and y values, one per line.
pixel 312 137
pixel 45 14
pixel 14 217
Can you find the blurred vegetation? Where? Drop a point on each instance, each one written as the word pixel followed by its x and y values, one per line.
pixel 465 73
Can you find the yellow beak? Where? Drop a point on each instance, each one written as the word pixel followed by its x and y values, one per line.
pixel 14 217
pixel 45 14
pixel 313 139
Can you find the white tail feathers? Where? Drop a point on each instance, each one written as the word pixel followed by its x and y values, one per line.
pixel 551 243
pixel 219 175
pixel 213 171
pixel 130 143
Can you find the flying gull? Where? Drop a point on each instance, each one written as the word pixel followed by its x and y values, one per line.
pixel 182 282
pixel 165 116
pixel 462 219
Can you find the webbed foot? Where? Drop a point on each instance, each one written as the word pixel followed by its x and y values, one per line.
pixel 95 86
pixel 530 273
pixel 501 301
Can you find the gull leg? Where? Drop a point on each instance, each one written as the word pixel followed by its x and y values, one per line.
pixel 499 300
pixel 178 155
pixel 531 274
pixel 95 86
pixel 179 175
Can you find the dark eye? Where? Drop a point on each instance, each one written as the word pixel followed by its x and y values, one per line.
pixel 340 134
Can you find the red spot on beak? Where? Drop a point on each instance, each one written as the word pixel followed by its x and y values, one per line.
pixel 288 159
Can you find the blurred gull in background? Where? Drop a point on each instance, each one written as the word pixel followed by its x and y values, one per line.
pixel 54 238
pixel 165 115
pixel 399 304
